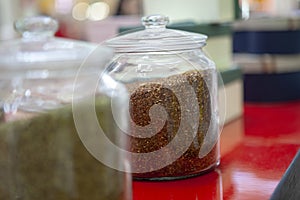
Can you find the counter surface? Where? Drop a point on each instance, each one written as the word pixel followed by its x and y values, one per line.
pixel 255 152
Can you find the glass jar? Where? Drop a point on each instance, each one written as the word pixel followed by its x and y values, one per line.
pixel 47 86
pixel 173 88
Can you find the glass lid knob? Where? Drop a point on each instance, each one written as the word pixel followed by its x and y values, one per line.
pixel 39 26
pixel 155 21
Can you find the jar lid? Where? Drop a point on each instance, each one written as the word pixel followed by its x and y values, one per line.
pixel 39 69
pixel 39 49
pixel 156 37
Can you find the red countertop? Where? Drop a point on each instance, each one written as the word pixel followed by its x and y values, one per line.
pixel 255 152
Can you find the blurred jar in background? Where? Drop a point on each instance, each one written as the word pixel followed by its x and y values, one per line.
pixel 48 138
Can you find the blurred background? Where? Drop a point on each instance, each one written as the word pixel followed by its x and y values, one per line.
pixel 74 14
pixel 254 43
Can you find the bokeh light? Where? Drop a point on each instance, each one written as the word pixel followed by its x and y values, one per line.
pixel 80 11
pixel 98 11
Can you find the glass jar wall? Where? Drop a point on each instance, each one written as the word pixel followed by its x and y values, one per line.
pixel 44 148
pixel 172 86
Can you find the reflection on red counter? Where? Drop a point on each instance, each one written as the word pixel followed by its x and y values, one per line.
pixel 207 186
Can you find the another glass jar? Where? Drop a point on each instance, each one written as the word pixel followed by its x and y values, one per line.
pixel 49 143
pixel 173 107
